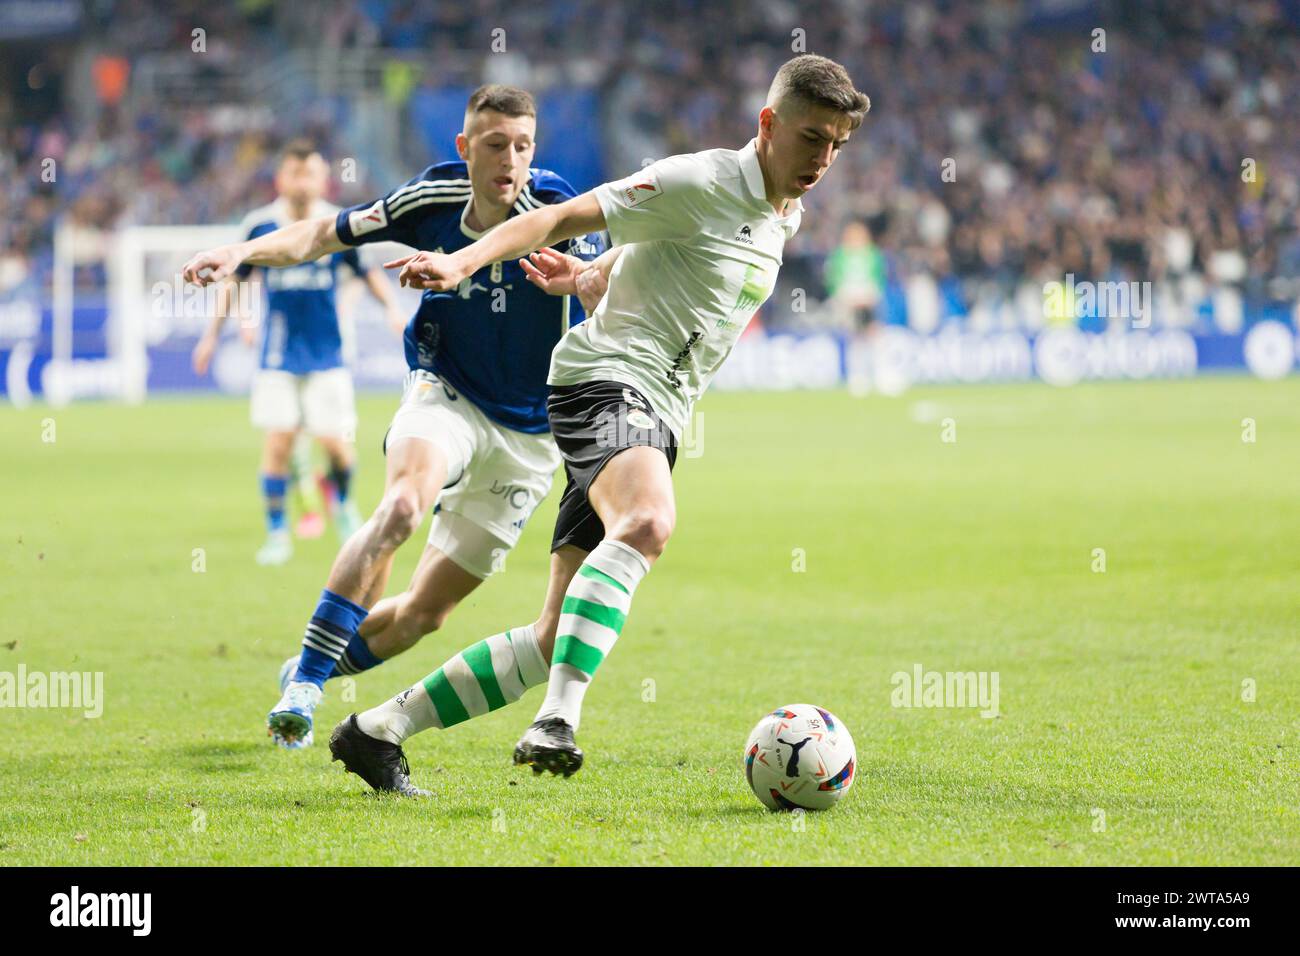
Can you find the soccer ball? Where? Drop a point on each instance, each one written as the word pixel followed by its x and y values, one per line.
pixel 800 757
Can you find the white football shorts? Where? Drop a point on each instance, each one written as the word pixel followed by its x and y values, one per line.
pixel 496 476
pixel 321 402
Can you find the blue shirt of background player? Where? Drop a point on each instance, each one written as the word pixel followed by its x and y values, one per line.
pixel 301 331
pixel 490 339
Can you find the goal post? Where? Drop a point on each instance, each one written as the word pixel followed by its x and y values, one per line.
pixel 149 303
pixel 155 318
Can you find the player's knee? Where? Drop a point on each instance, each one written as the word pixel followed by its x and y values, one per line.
pixel 647 530
pixel 399 515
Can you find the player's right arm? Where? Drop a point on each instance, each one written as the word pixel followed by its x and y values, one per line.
pixel 304 241
pixel 662 201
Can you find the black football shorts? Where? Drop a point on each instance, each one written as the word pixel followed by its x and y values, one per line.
pixel 592 422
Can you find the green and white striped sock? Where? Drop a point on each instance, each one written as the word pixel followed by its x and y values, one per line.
pixel 483 677
pixel 591 619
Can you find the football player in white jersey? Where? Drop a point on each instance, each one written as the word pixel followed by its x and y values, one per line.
pixel 698 241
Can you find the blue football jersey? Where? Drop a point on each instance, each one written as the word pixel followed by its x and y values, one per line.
pixel 491 339
pixel 301 331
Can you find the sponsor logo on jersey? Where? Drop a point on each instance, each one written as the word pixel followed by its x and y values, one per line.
pixel 641 189
pixel 754 292
pixel 362 221
pixel 681 359
pixel 583 246
pixel 745 235
pixel 468 287
pixel 310 277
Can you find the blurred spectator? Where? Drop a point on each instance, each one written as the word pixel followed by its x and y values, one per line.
pixel 1002 150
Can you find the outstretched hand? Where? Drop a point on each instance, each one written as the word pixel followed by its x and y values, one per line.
pixel 553 272
pixel 211 266
pixel 428 270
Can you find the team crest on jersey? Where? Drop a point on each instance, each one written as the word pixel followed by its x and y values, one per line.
pixel 639 419
pixel 640 188
pixel 362 221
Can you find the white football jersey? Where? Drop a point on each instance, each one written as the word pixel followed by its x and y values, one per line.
pixel 704 247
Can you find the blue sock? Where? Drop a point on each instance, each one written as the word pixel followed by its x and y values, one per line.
pixel 273 490
pixel 357 658
pixel 342 478
pixel 329 632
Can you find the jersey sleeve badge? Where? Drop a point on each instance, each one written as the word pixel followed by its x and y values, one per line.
pixel 362 221
pixel 640 188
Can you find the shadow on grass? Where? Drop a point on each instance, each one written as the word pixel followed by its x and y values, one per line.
pixel 230 756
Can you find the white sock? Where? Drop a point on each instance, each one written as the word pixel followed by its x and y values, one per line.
pixel 485 676
pixel 595 607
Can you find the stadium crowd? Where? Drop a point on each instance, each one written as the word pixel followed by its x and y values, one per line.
pixel 1002 147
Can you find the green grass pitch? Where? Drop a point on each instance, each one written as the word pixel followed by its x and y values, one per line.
pixel 1126 732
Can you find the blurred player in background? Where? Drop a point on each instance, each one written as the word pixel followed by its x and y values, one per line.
pixel 471 431
pixel 855 280
pixel 698 240
pixel 302 383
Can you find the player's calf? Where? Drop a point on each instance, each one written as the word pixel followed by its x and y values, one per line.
pixel 596 605
pixel 484 677
pixel 398 623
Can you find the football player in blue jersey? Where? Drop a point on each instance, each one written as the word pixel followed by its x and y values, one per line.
pixel 471 431
pixel 301 383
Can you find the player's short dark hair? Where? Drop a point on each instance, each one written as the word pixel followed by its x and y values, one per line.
pixel 299 148
pixel 510 100
pixel 822 82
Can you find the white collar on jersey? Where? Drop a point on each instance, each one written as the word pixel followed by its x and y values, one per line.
pixel 525 202
pixel 754 180
pixel 473 233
